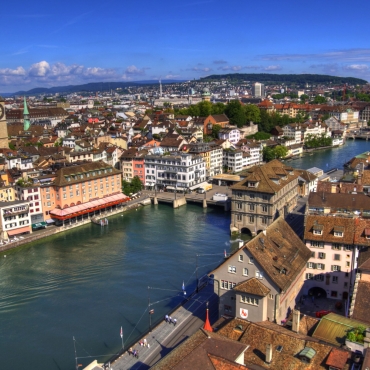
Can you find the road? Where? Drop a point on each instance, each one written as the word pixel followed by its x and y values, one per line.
pixel 164 337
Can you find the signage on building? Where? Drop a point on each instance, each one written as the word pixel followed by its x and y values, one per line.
pixel 243 313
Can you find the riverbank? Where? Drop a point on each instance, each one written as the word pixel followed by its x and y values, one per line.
pixel 53 230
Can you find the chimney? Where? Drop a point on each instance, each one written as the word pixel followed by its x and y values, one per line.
pixel 268 353
pixel 296 318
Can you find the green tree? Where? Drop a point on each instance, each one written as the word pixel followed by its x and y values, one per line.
pixel 268 153
pixel 136 184
pixel 280 151
pixel 259 136
pixel 319 99
pixel 235 113
pixel 252 113
pixel 205 108
pixel 218 108
pixel 215 130
pixel 304 98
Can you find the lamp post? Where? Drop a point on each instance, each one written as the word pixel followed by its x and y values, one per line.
pixel 150 312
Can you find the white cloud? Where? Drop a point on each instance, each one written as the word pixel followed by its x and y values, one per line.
pixel 170 76
pixel 40 69
pixel 19 71
pixel 357 67
pixel 272 68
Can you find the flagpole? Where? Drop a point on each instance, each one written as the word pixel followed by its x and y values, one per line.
pixel 150 316
pixel 74 345
pixel 122 337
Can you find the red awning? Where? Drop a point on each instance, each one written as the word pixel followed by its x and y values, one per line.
pixel 89 206
pixel 21 230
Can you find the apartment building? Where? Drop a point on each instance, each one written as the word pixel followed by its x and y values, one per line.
pixel 299 132
pixel 181 171
pixel 232 134
pixel 336 227
pixel 266 192
pixel 261 280
pixel 15 218
pixel 212 155
pixel 32 194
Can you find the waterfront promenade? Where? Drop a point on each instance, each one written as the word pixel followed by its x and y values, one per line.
pixel 164 337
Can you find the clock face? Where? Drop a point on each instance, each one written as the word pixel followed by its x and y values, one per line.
pixel 2 111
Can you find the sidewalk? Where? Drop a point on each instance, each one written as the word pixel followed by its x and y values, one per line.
pixel 165 336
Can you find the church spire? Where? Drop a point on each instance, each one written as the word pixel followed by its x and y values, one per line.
pixel 26 120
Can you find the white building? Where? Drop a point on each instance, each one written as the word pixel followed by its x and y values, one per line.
pixel 181 170
pixel 33 196
pixel 258 90
pixel 15 218
pixel 233 134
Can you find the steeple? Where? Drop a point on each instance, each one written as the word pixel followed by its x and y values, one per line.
pixel 26 120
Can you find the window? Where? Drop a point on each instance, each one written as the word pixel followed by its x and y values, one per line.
pixel 245 271
pixel 271 296
pixel 251 196
pixel 251 207
pixel 232 269
pixel 249 300
pixel 335 279
pixel 321 255
pixel 241 257
pixel 227 309
pixel 334 293
pixel 336 257
pixel 239 195
pixel 309 276
pixel 239 217
pixel 319 277
pixel 348 264
pixel 317 244
pixel 335 268
pixel 227 284
pixel 336 246
pixel 347 248
pixel 49 204
pixel 317 232
pixel 251 219
pixel 312 254
pixel 238 205
pixel 259 274
pixel 64 196
pixel 320 266
pixel 264 208
pixel 338 233
pixel 310 265
pixel 251 260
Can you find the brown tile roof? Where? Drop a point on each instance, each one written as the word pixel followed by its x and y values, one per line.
pixel 280 252
pixel 337 358
pixel 265 175
pixel 364 259
pixel 194 352
pixel 64 172
pixel 253 286
pixel 362 303
pixel 220 117
pixel 339 201
pixel 338 187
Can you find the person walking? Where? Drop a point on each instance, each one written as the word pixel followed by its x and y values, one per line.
pixel 174 322
pixel 170 319
pixel 145 342
pixel 166 318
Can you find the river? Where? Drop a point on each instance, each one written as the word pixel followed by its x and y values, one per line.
pixel 88 282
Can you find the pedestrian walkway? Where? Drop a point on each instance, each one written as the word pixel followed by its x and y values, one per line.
pixel 165 336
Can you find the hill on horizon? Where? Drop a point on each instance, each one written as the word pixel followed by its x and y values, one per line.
pixel 298 79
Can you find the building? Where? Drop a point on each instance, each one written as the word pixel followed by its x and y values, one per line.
pixel 336 228
pixel 261 280
pixel 28 191
pixel 15 218
pixel 267 191
pixel 232 134
pixel 78 192
pixel 180 171
pixel 3 125
pixel 258 90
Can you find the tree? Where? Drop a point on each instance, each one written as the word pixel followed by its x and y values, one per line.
pixel 319 99
pixel 205 108
pixel 218 108
pixel 259 136
pixel 235 113
pixel 304 98
pixel 268 153
pixel 215 130
pixel 252 113
pixel 280 151
pixel 277 152
pixel 136 184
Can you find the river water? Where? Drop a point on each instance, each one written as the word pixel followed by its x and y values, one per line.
pixel 90 281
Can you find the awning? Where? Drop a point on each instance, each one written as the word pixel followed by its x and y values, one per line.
pixel 87 207
pixel 21 230
pixel 50 221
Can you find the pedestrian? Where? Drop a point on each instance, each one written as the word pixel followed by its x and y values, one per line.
pixel 130 351
pixel 145 343
pixel 169 319
pixel 148 345
pixel 166 318
pixel 137 354
pixel 174 322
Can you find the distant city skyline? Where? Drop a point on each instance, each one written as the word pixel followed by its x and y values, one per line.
pixel 47 44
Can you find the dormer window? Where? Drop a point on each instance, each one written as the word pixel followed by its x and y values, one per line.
pixel 252 184
pixel 317 229
pixel 367 233
pixel 338 231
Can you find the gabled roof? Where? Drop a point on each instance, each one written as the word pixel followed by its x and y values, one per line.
pixel 253 286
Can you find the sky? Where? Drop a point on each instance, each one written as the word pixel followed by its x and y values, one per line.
pixel 49 43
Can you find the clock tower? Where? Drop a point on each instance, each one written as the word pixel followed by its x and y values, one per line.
pixel 4 143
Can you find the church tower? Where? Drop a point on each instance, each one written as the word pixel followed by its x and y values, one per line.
pixel 26 116
pixel 3 126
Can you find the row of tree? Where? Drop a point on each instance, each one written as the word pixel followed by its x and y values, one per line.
pixel 317 141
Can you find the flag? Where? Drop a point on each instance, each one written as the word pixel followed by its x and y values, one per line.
pixel 225 253
pixel 121 333
pixel 183 287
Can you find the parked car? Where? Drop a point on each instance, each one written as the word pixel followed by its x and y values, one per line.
pixel 322 313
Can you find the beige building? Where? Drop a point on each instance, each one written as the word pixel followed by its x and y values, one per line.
pixel 266 192
pixel 3 126
pixel 261 280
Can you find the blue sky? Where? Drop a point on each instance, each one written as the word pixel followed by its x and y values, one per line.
pixel 48 43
